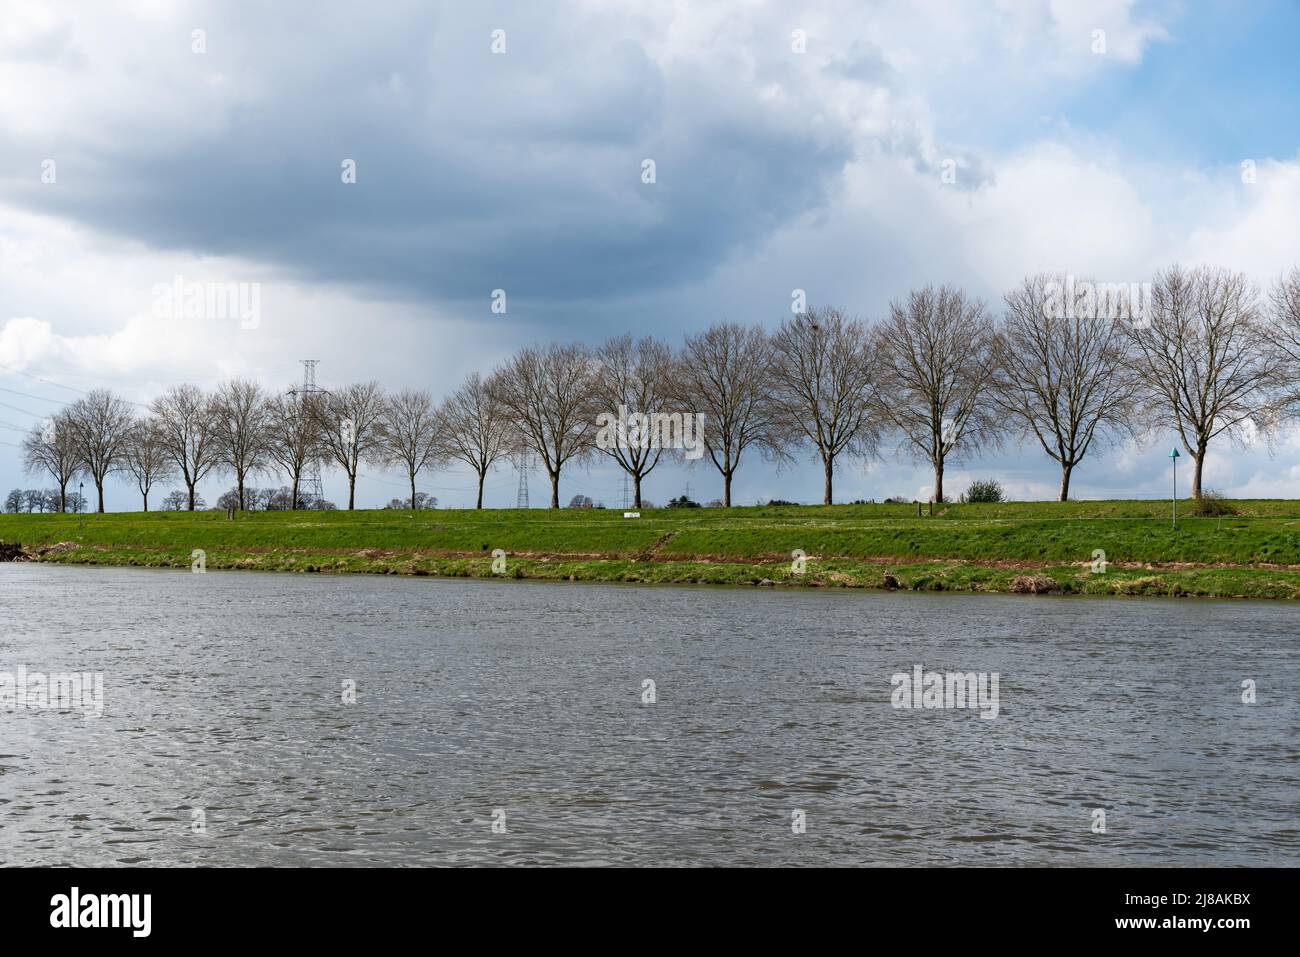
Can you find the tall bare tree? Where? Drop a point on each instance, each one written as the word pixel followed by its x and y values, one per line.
pixel 49 447
pixel 1062 374
pixel 1284 331
pixel 474 428
pixel 100 423
pixel 825 372
pixel 349 429
pixel 408 433
pixel 240 414
pixel 636 377
pixel 548 392
pixel 185 421
pixel 146 457
pixel 1206 359
pixel 293 438
pixel 938 350
pixel 724 373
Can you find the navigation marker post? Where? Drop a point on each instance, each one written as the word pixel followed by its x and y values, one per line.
pixel 1173 454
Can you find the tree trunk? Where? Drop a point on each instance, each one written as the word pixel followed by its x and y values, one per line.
pixel 481 476
pixel 829 496
pixel 63 499
pixel 352 491
pixel 636 480
pixel 726 489
pixel 1196 471
pixel 938 482
pixel 555 489
pixel 293 501
pixel 99 487
pixel 412 491
pixel 239 484
pixel 191 488
pixel 1065 482
pixel 146 500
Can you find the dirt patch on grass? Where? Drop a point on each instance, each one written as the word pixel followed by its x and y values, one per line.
pixel 649 553
pixel 1033 585
pixel 57 548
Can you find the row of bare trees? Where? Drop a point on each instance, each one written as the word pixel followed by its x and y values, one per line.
pixel 940 377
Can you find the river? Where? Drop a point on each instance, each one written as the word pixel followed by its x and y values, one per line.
pixel 511 723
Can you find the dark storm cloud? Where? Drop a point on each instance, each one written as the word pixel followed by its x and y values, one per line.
pixel 475 170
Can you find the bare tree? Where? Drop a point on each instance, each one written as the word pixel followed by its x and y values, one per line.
pixel 1206 358
pixel 100 423
pixel 146 457
pixel 825 371
pixel 474 428
pixel 1062 373
pixel 49 447
pixel 723 373
pixel 633 378
pixel 408 433
pixel 938 350
pixel 1284 331
pixel 186 425
pixel 349 428
pixel 548 393
pixel 239 416
pixel 176 500
pixel 293 437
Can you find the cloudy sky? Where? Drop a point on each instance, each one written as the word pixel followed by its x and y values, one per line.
pixel 796 146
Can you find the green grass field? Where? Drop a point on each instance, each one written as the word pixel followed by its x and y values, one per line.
pixel 1020 546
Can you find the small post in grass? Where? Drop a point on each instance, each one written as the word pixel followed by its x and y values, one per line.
pixel 1173 454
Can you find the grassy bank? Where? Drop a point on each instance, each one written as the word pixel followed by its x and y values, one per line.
pixel 1017 547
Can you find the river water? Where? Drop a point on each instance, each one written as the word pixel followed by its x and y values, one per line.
pixel 508 723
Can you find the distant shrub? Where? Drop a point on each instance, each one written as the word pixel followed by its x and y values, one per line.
pixel 898 500
pixel 863 501
pixel 780 501
pixel 984 490
pixel 682 501
pixel 1212 504
pixel 716 503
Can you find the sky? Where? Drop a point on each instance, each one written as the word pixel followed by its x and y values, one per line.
pixel 502 146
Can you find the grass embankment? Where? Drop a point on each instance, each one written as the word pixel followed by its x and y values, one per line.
pixel 1021 546
pixel 1016 547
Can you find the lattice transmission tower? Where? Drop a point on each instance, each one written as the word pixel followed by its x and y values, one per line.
pixel 310 483
pixel 521 465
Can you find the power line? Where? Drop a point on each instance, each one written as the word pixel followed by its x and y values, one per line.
pixel 28 395
pixel 57 385
pixel 39 379
pixel 38 415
